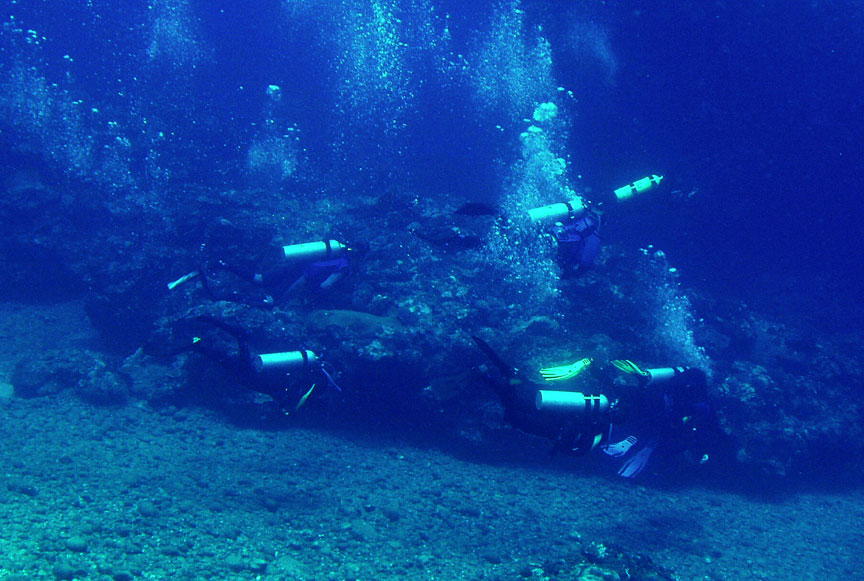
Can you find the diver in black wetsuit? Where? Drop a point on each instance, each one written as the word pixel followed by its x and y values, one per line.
pixel 669 411
pixel 575 223
pixel 578 242
pixel 266 373
pixel 576 433
pixel 315 266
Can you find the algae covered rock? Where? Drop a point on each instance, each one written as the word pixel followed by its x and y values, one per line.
pixel 84 372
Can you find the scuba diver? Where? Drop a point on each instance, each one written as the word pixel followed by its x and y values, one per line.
pixel 265 373
pixel 576 223
pixel 668 411
pixel 573 433
pixel 578 242
pixel 316 267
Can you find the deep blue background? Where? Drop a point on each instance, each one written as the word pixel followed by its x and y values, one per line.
pixel 760 107
pixel 755 107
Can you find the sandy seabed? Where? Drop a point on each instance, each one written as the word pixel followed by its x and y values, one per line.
pixel 137 493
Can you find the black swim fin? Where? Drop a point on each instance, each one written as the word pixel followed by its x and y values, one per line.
pixel 502 365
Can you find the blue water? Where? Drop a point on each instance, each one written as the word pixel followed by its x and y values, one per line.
pixel 754 108
pixel 168 129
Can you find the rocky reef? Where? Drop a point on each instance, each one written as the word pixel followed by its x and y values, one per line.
pixel 397 333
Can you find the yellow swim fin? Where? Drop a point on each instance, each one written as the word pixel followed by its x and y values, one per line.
pixel 304 398
pixel 629 367
pixel 563 372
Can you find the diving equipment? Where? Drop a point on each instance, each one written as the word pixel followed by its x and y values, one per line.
pixel 620 448
pixel 635 464
pixel 656 375
pixel 303 399
pixel 286 360
pixel 558 212
pixel 638 187
pixel 573 209
pixel 319 250
pixel 563 372
pixel 174 284
pixel 662 374
pixel 571 401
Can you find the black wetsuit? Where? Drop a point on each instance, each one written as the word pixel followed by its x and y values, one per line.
pixel 579 242
pixel 573 433
pixel 270 285
pixel 240 363
pixel 675 414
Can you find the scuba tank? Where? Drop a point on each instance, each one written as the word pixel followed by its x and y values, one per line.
pixel 319 250
pixel 285 361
